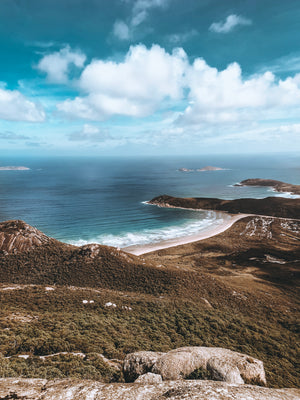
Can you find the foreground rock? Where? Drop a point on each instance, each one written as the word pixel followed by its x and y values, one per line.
pixel 67 389
pixel 220 364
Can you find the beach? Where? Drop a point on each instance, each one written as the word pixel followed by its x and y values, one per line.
pixel 205 234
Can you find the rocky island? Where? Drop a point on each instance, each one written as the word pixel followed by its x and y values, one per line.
pixel 14 168
pixel 278 186
pixel 208 168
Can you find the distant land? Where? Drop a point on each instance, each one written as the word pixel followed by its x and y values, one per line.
pixel 278 186
pixel 208 168
pixel 14 168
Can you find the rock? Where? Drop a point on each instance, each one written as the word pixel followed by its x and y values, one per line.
pixel 139 363
pixel 149 378
pixel 16 237
pixel 223 364
pixel 224 370
pixel 78 389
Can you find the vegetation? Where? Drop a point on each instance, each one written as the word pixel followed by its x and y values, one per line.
pixel 39 322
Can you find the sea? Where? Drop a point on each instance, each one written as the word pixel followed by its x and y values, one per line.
pixel 82 200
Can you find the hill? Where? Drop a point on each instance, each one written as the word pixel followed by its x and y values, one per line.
pixel 236 290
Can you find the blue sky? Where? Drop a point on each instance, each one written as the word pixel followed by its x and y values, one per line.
pixel 133 77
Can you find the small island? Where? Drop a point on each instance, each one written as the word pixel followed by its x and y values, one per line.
pixel 209 168
pixel 14 168
pixel 278 186
pixel 204 169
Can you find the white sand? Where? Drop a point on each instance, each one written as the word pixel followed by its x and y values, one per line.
pixel 207 233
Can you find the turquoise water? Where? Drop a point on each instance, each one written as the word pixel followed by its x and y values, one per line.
pixel 82 200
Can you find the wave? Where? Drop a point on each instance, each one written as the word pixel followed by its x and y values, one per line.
pixel 147 236
pixel 287 195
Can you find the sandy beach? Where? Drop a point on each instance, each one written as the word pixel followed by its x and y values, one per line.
pixel 207 233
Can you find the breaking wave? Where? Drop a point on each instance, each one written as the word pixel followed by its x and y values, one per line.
pixel 147 236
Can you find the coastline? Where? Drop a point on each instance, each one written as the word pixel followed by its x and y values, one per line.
pixel 207 233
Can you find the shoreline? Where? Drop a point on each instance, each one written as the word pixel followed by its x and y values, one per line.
pixel 205 234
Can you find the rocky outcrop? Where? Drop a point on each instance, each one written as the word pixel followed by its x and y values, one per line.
pixel 221 364
pixel 278 186
pixel 16 237
pixel 67 389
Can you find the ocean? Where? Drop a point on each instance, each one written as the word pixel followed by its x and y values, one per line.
pixel 102 200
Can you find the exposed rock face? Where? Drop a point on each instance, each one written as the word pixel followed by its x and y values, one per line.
pixel 276 185
pixel 16 236
pixel 139 363
pixel 223 365
pixel 39 389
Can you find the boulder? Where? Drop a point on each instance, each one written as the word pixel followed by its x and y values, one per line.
pixel 149 378
pixel 221 364
pixel 139 363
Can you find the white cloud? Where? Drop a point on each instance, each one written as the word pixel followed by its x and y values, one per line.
pixel 56 65
pixel 197 99
pixel 89 133
pixel 135 87
pixel 224 96
pixel 140 12
pixel 229 24
pixel 16 107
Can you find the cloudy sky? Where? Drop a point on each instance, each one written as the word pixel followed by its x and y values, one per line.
pixel 126 77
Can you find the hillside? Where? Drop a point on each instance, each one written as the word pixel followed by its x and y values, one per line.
pixel 236 290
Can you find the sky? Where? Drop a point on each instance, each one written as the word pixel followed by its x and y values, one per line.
pixel 149 77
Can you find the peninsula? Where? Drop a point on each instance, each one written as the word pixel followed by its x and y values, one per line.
pixel 271 206
pixel 278 186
